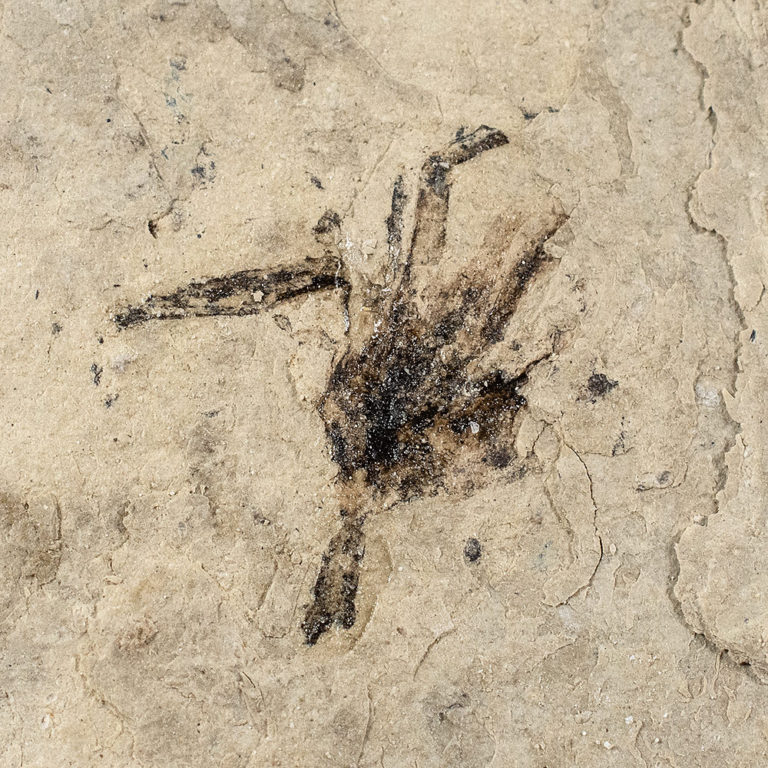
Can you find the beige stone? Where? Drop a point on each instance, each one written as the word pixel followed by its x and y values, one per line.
pixel 578 583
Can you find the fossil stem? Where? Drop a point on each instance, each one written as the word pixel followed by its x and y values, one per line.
pixel 336 585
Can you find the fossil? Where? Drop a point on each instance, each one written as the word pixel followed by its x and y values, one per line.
pixel 406 407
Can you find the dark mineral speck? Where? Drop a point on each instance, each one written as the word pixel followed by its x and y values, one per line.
pixel 472 550
pixel 599 385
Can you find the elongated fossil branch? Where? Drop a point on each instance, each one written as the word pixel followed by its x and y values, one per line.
pixel 249 291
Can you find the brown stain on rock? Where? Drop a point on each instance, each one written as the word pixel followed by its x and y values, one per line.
pixel 30 547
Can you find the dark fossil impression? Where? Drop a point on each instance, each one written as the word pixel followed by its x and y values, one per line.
pixel 406 404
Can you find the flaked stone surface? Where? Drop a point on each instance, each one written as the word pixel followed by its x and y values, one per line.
pixel 329 440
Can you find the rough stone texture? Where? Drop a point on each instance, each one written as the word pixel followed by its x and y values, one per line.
pixel 167 491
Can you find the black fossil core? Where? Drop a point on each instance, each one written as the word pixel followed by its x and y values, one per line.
pixel 405 407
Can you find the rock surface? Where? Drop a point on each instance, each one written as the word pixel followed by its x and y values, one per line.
pixel 588 587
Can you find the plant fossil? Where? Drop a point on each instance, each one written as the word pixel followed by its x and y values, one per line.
pixel 404 404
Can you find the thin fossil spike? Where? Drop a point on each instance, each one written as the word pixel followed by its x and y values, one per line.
pixel 395 228
pixel 336 585
pixel 428 239
pixel 249 291
pixel 239 294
